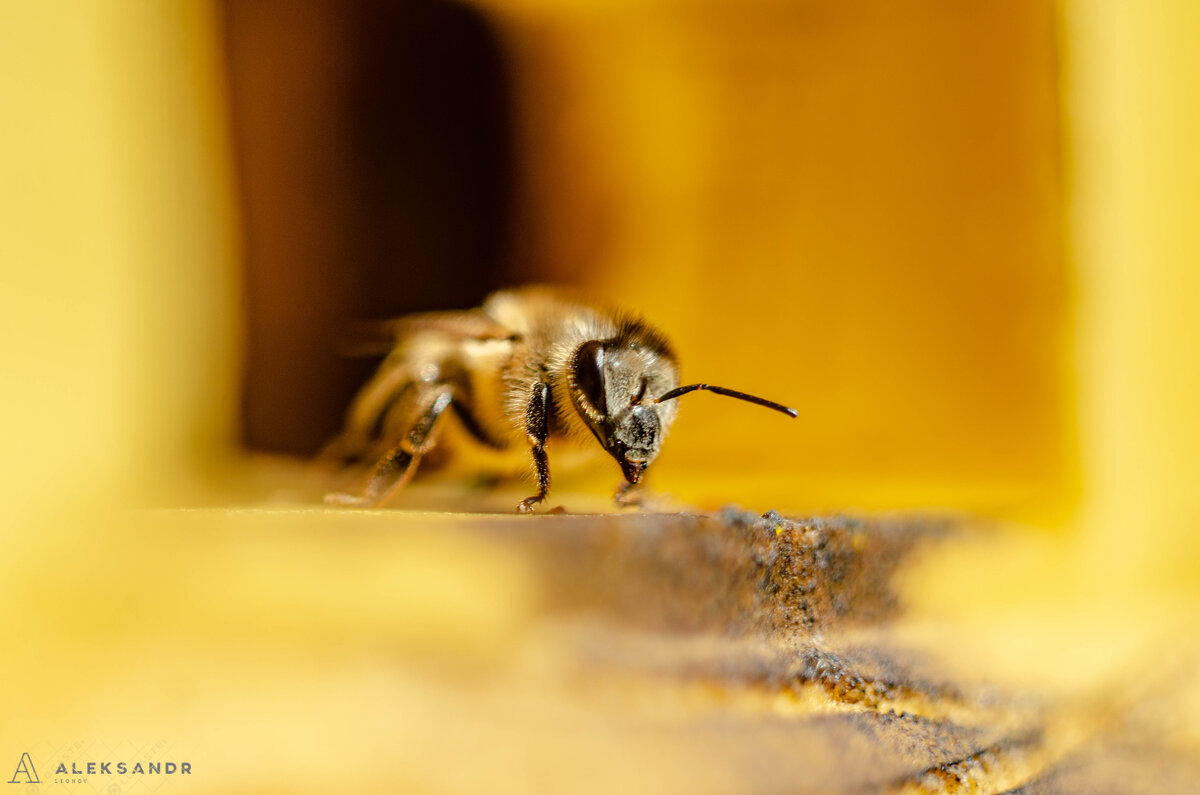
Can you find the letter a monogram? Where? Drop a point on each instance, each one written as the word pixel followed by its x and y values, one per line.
pixel 25 768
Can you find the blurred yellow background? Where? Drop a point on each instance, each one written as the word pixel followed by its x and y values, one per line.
pixel 960 238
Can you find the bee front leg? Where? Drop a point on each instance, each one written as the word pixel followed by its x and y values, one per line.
pixel 537 428
pixel 398 465
pixel 629 496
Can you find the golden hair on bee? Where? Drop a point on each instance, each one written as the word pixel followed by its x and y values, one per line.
pixel 528 366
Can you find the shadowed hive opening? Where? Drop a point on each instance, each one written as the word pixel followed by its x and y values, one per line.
pixel 376 171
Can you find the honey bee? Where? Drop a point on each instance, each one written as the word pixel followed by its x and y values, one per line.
pixel 526 367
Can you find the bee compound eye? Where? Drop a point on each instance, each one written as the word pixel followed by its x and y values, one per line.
pixel 587 371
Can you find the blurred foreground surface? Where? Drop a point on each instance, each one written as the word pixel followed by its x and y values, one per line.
pixel 309 650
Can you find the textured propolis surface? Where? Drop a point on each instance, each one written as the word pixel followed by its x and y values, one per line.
pixel 307 650
pixel 806 616
pixel 735 573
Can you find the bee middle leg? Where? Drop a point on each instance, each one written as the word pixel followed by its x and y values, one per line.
pixel 398 465
pixel 537 429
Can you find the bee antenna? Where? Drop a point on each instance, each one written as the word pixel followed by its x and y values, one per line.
pixel 720 390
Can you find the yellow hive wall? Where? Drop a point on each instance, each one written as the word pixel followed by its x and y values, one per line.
pixel 1131 77
pixel 119 298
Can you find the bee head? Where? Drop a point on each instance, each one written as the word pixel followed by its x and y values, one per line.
pixel 613 385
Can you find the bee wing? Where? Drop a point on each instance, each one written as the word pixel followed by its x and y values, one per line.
pixel 467 324
pixel 379 338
